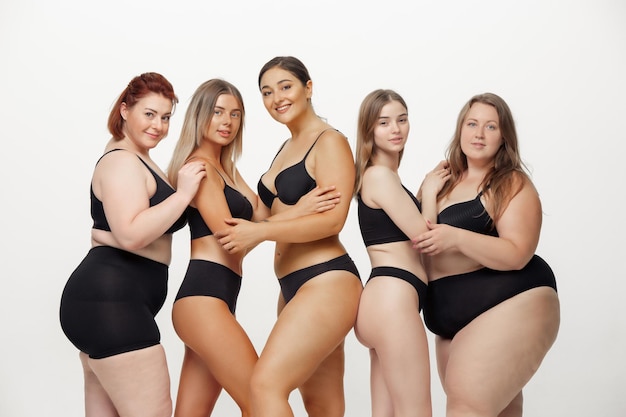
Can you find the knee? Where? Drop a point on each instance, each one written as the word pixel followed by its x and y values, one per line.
pixel 324 407
pixel 264 385
pixel 465 406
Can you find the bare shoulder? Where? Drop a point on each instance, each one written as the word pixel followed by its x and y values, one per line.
pixel 331 137
pixel 119 163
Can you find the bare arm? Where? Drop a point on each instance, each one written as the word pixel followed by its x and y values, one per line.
pixel 333 165
pixel 124 185
pixel 432 184
pixel 383 189
pixel 318 200
pixel 518 230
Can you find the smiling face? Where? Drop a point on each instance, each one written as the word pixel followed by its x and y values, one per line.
pixel 148 121
pixel 226 120
pixel 392 128
pixel 284 95
pixel 481 137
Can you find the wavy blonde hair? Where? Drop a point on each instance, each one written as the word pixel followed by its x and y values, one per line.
pixel 197 119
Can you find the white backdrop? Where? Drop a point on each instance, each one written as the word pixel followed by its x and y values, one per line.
pixel 560 65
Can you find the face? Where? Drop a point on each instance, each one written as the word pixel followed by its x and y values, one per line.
pixel 392 128
pixel 284 96
pixel 226 120
pixel 480 134
pixel 148 121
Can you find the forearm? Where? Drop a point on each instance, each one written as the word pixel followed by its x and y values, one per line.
pixel 429 209
pixel 493 252
pixel 151 223
pixel 302 229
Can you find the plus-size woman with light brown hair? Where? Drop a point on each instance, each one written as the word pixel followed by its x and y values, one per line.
pixel 491 301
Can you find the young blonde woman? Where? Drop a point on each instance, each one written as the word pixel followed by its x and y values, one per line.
pixel 110 301
pixel 320 285
pixel 491 301
pixel 218 352
pixel 389 321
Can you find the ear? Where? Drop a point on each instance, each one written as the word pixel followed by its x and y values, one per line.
pixel 124 111
pixel 309 89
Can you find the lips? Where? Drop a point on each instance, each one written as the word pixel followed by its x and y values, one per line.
pixel 224 133
pixel 283 108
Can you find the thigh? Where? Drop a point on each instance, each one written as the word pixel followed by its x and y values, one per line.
pixel 323 393
pixel 493 357
pixel 97 401
pixel 309 328
pixel 206 325
pixel 198 390
pixel 137 382
pixel 389 322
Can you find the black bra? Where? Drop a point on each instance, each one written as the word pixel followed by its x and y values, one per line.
pixel 238 205
pixel 291 183
pixel 377 227
pixel 469 215
pixel 163 191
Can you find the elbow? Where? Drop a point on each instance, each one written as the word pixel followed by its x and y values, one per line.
pixel 519 262
pixel 131 244
pixel 335 228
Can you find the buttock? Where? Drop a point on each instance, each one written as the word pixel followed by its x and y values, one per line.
pixel 454 301
pixel 291 283
pixel 109 302
pixel 389 271
pixel 210 279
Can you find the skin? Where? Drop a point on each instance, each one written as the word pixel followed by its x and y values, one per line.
pixel 136 383
pixel 389 321
pixel 485 366
pixel 301 353
pixel 218 352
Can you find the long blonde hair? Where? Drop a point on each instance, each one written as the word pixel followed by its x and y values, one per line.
pixel 197 119
pixel 369 113
pixel 508 174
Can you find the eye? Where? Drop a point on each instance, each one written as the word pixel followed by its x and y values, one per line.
pixel 265 93
pixel 166 118
pixel 235 115
pixel 471 124
pixel 149 115
pixel 217 112
pixel 403 120
pixel 286 87
pixel 492 127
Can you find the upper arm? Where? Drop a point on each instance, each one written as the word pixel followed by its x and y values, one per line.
pixel 384 189
pixel 520 222
pixel 334 165
pixel 211 201
pixel 124 186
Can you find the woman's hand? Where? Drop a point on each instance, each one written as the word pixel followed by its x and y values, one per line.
pixel 436 179
pixel 318 200
pixel 189 177
pixel 242 235
pixel 438 238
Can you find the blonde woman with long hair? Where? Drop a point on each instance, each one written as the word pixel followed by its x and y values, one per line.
pixel 218 352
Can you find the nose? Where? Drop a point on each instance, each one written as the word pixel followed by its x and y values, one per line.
pixel 480 132
pixel 157 123
pixel 395 127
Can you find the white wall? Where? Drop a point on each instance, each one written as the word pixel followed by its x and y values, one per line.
pixel 560 65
